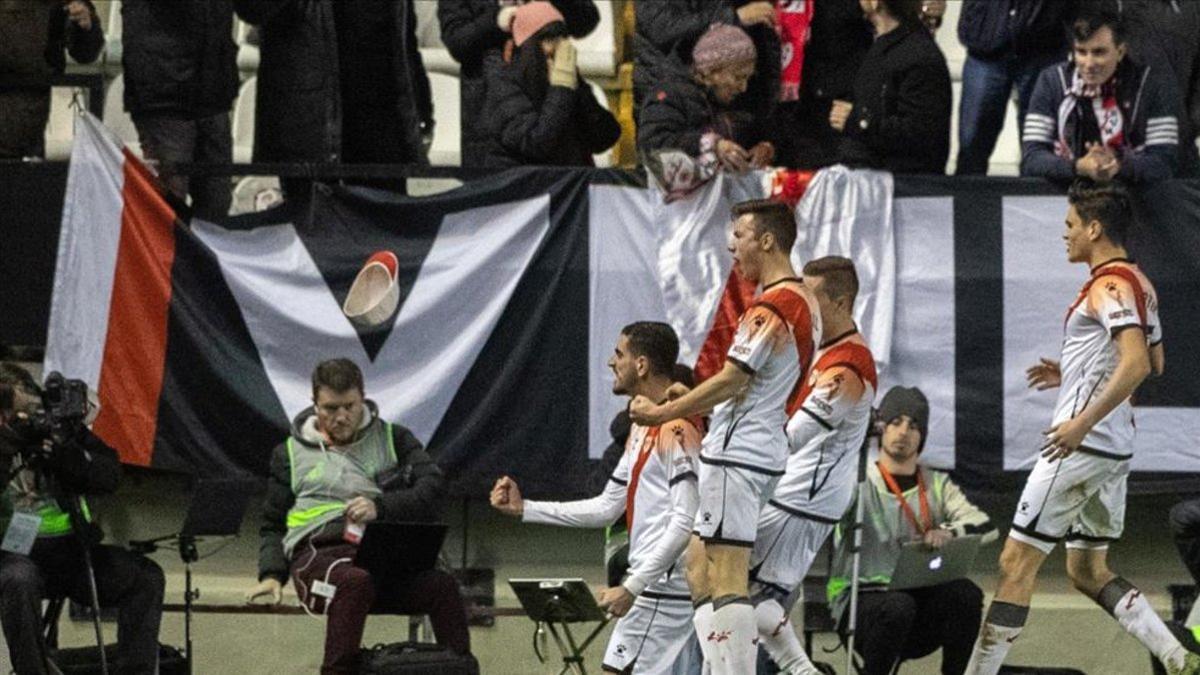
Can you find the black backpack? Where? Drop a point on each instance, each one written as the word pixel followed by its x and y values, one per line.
pixel 415 658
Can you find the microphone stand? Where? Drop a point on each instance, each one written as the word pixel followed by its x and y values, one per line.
pixel 186 545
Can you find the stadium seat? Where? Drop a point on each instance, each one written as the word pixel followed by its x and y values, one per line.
pixel 243 121
pixel 446 97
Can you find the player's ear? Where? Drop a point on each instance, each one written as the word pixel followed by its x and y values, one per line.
pixel 767 241
pixel 1095 229
pixel 643 366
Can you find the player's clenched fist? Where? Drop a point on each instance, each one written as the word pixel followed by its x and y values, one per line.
pixel 643 411
pixel 506 497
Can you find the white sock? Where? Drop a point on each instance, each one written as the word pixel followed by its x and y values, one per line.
pixel 778 637
pixel 1000 630
pixel 702 620
pixel 1140 620
pixel 735 636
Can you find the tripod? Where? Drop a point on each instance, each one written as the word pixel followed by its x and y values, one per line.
pixel 78 523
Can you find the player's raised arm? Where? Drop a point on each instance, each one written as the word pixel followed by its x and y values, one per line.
pixel 716 389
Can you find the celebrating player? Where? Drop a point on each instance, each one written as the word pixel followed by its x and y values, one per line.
pixel 1112 341
pixel 655 485
pixel 828 421
pixel 745 451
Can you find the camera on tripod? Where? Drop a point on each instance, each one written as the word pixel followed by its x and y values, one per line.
pixel 62 414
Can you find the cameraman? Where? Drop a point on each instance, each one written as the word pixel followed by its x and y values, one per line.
pixel 45 476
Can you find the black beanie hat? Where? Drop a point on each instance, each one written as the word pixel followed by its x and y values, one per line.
pixel 906 401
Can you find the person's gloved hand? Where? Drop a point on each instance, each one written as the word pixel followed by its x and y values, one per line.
pixel 269 587
pixel 562 68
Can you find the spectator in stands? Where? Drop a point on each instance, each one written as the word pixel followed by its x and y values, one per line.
pixel 932 14
pixel 341 468
pixel 839 39
pixel 694 109
pixel 1101 115
pixel 34 34
pixel 667 33
pixel 899 119
pixel 180 65
pixel 541 109
pixel 1165 34
pixel 339 82
pixel 475 32
pixel 1009 43
pixel 906 502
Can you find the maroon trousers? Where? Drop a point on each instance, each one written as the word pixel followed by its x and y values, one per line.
pixel 356 594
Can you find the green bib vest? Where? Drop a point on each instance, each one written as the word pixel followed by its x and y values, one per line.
pixel 323 480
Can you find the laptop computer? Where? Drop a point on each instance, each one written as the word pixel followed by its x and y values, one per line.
pixel 919 566
pixel 391 548
pixel 217 506
pixel 557 600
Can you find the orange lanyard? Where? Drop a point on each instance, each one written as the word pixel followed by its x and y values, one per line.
pixel 926 522
pixel 643 454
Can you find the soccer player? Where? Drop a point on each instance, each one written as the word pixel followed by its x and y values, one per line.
pixel 826 426
pixel 655 485
pixel 1112 341
pixel 746 449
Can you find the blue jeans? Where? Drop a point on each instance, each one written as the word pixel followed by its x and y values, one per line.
pixel 985 91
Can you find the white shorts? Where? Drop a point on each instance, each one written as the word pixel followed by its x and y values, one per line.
pixel 731 498
pixel 652 636
pixel 786 547
pixel 1080 498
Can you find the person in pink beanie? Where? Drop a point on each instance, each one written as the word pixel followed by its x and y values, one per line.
pixel 541 111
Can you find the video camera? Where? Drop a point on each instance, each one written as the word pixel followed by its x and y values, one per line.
pixel 60 417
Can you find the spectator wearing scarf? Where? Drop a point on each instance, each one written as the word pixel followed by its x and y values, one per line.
pixel 1102 115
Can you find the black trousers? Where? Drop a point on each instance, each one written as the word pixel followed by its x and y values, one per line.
pixel 55 567
pixel 902 625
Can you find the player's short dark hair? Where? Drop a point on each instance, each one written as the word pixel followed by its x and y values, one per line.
pixel 841 279
pixel 656 341
pixel 1107 203
pixel 337 375
pixel 1090 21
pixel 17 377
pixel 684 375
pixel 770 216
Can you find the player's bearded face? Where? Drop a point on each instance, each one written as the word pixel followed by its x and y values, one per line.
pixel 624 368
pixel 339 414
pixel 745 247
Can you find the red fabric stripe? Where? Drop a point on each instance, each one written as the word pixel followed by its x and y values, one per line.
pixel 136 345
pixel 737 298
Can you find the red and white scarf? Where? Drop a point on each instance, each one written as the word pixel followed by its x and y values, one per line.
pixel 794 19
pixel 1102 99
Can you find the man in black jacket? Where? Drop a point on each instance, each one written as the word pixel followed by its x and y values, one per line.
pixel 181 78
pixel 475 31
pixel 899 119
pixel 1009 43
pixel 339 82
pixel 341 468
pixel 52 565
pixel 34 34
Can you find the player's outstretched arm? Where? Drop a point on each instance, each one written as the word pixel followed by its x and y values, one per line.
pixel 707 395
pixel 1133 366
pixel 1045 375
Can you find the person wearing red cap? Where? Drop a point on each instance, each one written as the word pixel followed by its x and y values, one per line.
pixel 541 110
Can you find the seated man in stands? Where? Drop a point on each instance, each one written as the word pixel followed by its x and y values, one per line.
pixel 1101 115
pixel 342 468
pixel 906 502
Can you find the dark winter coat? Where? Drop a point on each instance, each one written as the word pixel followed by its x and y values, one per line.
pixel 34 34
pixel 565 129
pixel 839 40
pixel 679 112
pixel 179 57
pixel 412 498
pixel 901 116
pixel 299 110
pixel 994 28
pixel 1146 96
pixel 668 30
pixel 470 33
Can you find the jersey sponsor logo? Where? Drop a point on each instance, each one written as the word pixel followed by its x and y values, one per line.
pixel 1124 313
pixel 822 405
pixel 741 350
pixel 720 636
